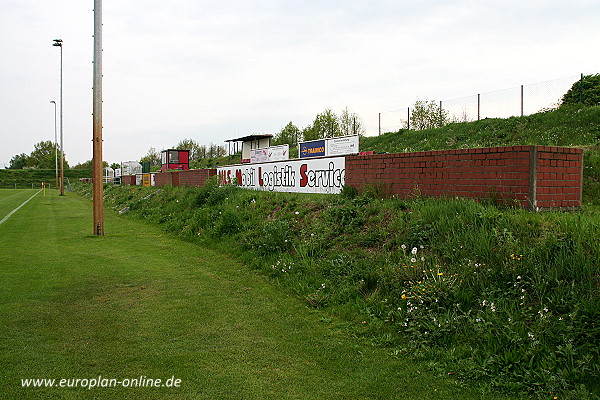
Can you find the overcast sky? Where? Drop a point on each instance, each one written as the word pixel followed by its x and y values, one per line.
pixel 213 70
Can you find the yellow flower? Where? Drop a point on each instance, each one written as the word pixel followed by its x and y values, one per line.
pixel 403 296
pixel 440 273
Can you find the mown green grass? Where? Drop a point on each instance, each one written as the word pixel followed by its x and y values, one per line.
pixel 138 302
pixel 11 199
pixel 503 298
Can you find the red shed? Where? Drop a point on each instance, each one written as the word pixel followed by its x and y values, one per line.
pixel 175 159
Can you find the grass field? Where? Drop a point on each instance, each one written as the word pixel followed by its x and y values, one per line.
pixel 498 297
pixel 11 199
pixel 141 303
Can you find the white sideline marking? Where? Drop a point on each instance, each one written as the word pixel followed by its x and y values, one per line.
pixel 17 209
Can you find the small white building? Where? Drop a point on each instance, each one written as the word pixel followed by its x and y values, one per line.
pixel 109 174
pixel 131 168
pixel 249 142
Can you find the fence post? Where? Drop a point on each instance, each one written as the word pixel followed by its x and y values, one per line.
pixel 478 106
pixel 408 118
pixel 521 100
pixel 441 120
pixel 581 89
pixel 379 124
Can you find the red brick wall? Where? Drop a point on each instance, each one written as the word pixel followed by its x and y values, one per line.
pixel 192 177
pixel 195 177
pixel 162 179
pixel 128 180
pixel 559 173
pixel 534 176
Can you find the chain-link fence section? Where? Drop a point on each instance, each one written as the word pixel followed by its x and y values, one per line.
pixel 517 101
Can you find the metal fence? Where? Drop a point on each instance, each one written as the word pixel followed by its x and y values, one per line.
pixel 517 101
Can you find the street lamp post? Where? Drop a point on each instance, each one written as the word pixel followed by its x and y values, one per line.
pixel 59 43
pixel 55 145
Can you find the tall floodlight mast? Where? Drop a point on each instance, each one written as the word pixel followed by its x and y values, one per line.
pixel 97 179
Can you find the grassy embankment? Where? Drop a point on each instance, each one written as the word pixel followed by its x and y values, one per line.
pixel 140 303
pixel 504 298
pixel 567 126
pixel 25 178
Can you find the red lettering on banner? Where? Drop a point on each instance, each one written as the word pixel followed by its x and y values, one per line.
pixel 303 177
pixel 238 176
pixel 260 177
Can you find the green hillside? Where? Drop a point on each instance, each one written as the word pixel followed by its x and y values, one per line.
pixel 568 126
pixel 28 178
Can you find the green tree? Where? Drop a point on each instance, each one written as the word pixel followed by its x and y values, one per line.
pixel 84 165
pixel 585 91
pixel 19 161
pixel 43 154
pixel 350 123
pixel 289 134
pixel 308 133
pixel 115 165
pixel 202 152
pixel 427 115
pixel 152 156
pixel 327 124
pixel 89 164
pixel 192 146
pixel 214 150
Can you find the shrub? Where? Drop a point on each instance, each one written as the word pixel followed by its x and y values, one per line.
pixel 585 91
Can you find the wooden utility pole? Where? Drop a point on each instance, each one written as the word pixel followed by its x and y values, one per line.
pixel 98 189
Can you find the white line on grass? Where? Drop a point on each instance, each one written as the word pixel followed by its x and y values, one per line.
pixel 17 209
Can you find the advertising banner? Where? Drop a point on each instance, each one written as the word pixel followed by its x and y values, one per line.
pixel 273 153
pixel 322 175
pixel 337 146
pixel 315 148
pixel 342 145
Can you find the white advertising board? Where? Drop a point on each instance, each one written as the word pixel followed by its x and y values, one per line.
pixel 329 147
pixel 321 175
pixel 338 146
pixel 273 153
